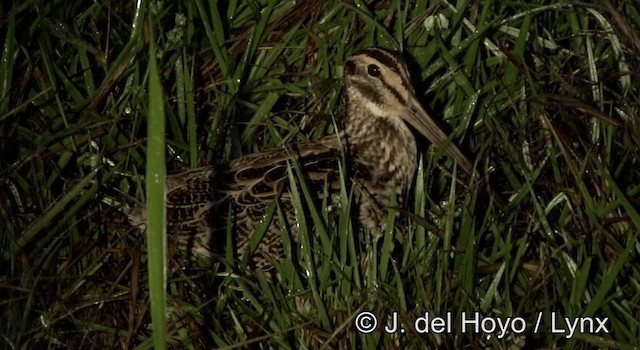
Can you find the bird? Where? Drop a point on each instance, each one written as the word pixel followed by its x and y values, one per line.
pixel 377 139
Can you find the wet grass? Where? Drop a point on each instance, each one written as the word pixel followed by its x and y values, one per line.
pixel 544 97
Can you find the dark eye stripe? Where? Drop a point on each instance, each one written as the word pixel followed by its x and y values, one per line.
pixel 372 94
pixel 387 59
pixel 392 62
pixel 395 92
pixel 367 91
pixel 350 67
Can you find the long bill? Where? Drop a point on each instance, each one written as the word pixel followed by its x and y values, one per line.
pixel 420 120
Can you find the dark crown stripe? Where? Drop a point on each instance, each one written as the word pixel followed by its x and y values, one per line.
pixel 393 62
pixel 386 58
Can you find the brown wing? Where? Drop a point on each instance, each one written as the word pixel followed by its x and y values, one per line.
pixel 260 177
pixel 200 200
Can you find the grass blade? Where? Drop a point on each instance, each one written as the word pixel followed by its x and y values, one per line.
pixel 156 205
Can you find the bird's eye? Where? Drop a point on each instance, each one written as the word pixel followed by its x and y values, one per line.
pixel 373 70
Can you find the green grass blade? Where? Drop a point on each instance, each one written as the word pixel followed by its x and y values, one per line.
pixel 156 205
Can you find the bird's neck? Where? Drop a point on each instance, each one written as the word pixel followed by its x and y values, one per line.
pixel 383 148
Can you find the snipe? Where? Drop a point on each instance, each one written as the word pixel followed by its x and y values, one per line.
pixel 381 154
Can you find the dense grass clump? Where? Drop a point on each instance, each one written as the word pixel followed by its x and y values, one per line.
pixel 543 96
